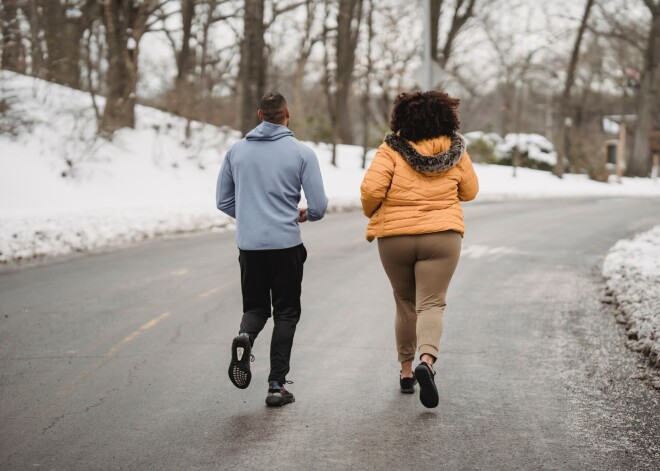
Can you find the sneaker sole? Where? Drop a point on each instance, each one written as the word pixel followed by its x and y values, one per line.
pixel 428 392
pixel 239 368
pixel 274 401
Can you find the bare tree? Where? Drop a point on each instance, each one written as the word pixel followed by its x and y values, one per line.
pixel 183 90
pixel 306 44
pixel 64 25
pixel 640 163
pixel 37 61
pixel 563 138
pixel 253 66
pixel 11 37
pixel 339 70
pixel 393 55
pixel 90 68
pixel 366 93
pixel 348 28
pixel 252 75
pixel 462 11
pixel 125 24
pixel 512 69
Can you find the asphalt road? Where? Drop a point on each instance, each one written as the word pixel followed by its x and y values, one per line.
pixel 118 360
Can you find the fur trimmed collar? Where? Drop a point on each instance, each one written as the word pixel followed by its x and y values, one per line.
pixel 431 164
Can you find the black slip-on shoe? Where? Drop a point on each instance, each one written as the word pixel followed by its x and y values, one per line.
pixel 408 384
pixel 278 396
pixel 239 368
pixel 428 393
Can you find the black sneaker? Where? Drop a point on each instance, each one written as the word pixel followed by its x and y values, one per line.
pixel 278 395
pixel 428 393
pixel 408 384
pixel 239 368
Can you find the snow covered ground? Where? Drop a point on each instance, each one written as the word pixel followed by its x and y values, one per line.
pixel 632 270
pixel 535 146
pixel 62 189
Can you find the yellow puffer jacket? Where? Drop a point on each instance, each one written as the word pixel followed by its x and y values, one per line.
pixel 416 188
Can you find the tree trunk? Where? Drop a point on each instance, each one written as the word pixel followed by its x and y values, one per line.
pixel 327 85
pixel 184 88
pixel 11 40
pixel 563 134
pixel 436 11
pixel 640 162
pixel 460 17
pixel 367 89
pixel 253 63
pixel 348 26
pixel 306 44
pixel 63 35
pixel 508 92
pixel 125 23
pixel 30 10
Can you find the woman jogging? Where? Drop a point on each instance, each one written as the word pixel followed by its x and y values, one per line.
pixel 412 193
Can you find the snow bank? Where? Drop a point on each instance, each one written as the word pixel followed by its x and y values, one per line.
pixel 533 146
pixel 63 189
pixel 632 270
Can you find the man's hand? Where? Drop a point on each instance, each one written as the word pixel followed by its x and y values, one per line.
pixel 302 214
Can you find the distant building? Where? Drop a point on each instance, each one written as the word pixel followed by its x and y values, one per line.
pixel 619 148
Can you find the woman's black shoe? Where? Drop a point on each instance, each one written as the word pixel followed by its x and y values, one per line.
pixel 408 384
pixel 428 393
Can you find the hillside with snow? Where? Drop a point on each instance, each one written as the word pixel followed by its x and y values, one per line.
pixel 64 189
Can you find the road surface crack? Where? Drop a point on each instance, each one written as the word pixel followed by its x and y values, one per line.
pixel 58 418
pixel 177 333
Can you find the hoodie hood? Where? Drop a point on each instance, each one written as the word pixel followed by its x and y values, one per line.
pixel 268 132
pixel 432 163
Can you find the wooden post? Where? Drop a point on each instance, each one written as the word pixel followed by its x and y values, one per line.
pixel 621 151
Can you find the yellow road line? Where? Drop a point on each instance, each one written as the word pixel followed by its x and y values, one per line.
pixel 113 351
pixel 73 385
pixel 217 289
pixel 67 390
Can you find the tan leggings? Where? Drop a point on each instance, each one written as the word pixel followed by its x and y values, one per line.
pixel 420 268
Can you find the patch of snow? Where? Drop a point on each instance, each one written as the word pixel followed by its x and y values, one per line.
pixel 632 270
pixel 491 138
pixel 536 147
pixel 73 13
pixel 476 252
pixel 610 126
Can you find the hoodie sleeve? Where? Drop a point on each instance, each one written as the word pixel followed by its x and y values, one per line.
pixel 225 196
pixel 376 182
pixel 312 183
pixel 468 187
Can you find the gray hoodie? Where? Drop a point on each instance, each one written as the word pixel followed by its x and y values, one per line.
pixel 259 185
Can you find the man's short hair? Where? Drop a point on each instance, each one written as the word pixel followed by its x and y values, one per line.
pixel 273 107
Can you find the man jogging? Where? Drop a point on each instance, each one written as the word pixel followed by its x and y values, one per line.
pixel 259 185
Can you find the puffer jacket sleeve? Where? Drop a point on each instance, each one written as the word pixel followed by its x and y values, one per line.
pixel 376 181
pixel 468 187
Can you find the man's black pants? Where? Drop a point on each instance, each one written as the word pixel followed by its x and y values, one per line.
pixel 273 276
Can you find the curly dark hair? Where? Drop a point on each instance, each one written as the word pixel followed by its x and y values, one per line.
pixel 422 115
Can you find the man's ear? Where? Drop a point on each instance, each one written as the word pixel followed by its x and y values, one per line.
pixel 260 115
pixel 286 112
